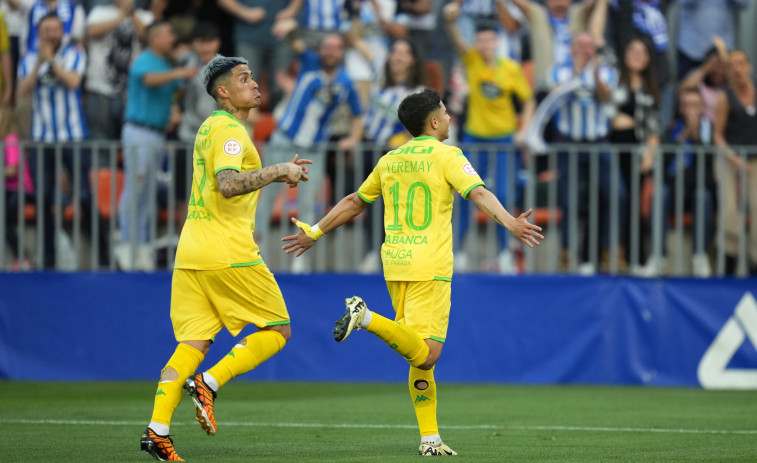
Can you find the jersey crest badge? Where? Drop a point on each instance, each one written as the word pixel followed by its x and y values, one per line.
pixel 468 169
pixel 232 147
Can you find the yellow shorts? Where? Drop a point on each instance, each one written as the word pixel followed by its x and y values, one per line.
pixel 422 306
pixel 204 301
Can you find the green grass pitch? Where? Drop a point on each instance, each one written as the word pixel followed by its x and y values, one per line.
pixel 288 422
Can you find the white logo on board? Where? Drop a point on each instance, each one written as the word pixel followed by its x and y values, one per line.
pixel 713 371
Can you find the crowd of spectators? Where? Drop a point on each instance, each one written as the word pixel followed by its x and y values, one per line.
pixel 336 71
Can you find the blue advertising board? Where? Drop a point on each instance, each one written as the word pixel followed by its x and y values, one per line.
pixel 525 329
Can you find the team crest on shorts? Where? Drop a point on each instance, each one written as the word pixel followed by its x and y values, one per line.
pixel 468 169
pixel 232 147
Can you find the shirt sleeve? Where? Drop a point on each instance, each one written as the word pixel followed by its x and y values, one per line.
pixel 99 14
pixel 227 147
pixel 552 77
pixel 608 75
pixel 370 190
pixel 26 64
pixel 140 67
pixel 521 87
pixel 5 43
pixel 469 57
pixel 353 99
pixel 147 17
pixel 461 174
pixel 75 60
pixel 652 120
pixel 309 61
pixel 79 25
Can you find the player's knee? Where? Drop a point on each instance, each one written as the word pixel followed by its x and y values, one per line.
pixel 434 352
pixel 430 362
pixel 202 346
pixel 284 330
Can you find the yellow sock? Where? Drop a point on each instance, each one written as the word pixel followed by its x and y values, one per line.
pixel 423 394
pixel 259 348
pixel 185 361
pixel 405 341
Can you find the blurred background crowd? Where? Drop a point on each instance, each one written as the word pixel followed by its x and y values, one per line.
pixel 649 104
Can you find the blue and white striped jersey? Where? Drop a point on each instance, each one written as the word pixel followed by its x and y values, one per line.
pixel 381 121
pixel 478 7
pixel 582 117
pixel 325 15
pixel 57 113
pixel 70 13
pixel 315 97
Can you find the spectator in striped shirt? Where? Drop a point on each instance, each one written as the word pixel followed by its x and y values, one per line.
pixel 552 27
pixel 53 75
pixel 71 15
pixel 322 85
pixel 583 118
pixel 319 18
pixel 491 120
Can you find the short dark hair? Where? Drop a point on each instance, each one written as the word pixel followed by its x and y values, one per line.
pixel 152 28
pixel 205 32
pixel 218 68
pixel 415 109
pixel 49 15
pixel 485 28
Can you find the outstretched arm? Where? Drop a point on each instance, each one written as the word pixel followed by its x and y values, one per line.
pixel 508 21
pixel 345 210
pixel 233 183
pixel 287 28
pixel 451 12
pixel 519 227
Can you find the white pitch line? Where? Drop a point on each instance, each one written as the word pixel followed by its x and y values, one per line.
pixel 393 426
pixel 623 429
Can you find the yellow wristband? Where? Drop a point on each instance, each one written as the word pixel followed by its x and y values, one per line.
pixel 311 231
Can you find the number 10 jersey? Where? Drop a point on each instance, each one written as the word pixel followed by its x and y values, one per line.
pixel 418 181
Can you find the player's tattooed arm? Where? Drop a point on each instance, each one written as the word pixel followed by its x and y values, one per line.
pixel 232 183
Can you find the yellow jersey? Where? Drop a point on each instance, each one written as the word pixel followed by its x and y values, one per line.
pixel 491 112
pixel 5 42
pixel 418 181
pixel 218 231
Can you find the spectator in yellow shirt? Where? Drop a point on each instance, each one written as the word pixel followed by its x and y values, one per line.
pixel 491 120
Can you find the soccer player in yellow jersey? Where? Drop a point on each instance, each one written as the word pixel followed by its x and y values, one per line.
pixel 219 277
pixel 417 182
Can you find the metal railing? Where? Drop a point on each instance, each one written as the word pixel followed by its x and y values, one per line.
pixel 593 221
